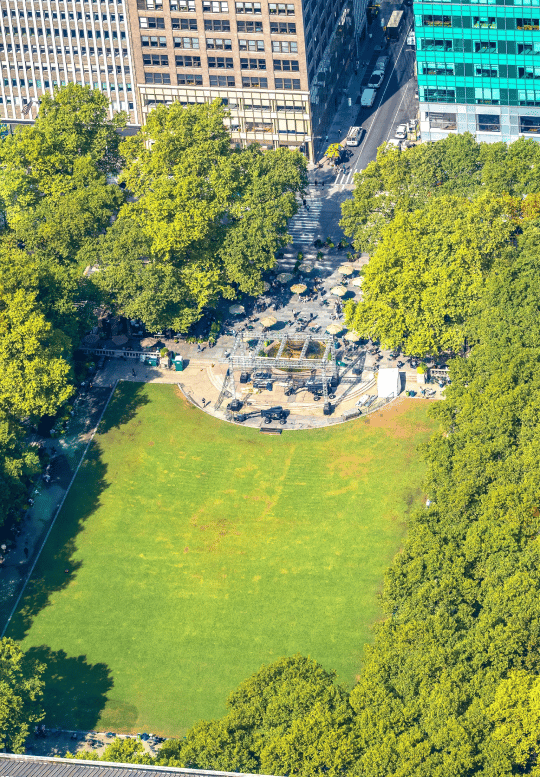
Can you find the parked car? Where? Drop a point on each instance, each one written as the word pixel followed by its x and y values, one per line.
pixel 411 39
pixel 401 132
pixel 381 63
pixel 376 79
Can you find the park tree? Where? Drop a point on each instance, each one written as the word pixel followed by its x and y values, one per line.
pixel 288 718
pixel 205 220
pixel 21 688
pixel 121 750
pixel 515 713
pixel 18 464
pixel 428 271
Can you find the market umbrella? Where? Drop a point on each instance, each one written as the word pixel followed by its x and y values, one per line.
pixel 334 329
pixel 91 339
pixel 357 281
pixel 268 321
pixel 352 337
pixel 237 310
pixel 148 342
pixel 306 267
pixel 266 286
pixel 284 277
pixel 346 269
pixel 120 339
pixel 339 291
pixel 298 288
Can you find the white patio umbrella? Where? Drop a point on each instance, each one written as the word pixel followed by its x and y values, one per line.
pixel 120 339
pixel 338 291
pixel 148 342
pixel 237 310
pixel 352 337
pixel 298 288
pixel 268 321
pixel 266 286
pixel 357 281
pixel 306 267
pixel 346 269
pixel 334 329
pixel 285 277
pixel 91 339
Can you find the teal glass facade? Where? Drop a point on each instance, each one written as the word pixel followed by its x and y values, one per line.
pixel 478 54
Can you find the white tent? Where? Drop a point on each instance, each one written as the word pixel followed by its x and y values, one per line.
pixel 388 382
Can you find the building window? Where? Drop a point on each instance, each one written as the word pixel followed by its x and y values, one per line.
pixel 292 107
pixel 254 82
pixel 528 72
pixel 157 60
pixel 484 46
pixel 157 78
pixel 487 122
pixel 214 6
pixel 251 45
pixel 528 24
pixel 284 47
pixel 151 22
pixel 442 121
pixel 183 5
pixel 149 5
pixel 254 8
pixel 529 97
pixel 485 71
pixel 487 96
pixel 283 28
pixel 221 62
pixel 217 25
pixel 484 23
pixel 184 24
pixel 252 64
pixel 437 20
pixel 529 124
pixel 219 43
pixel 259 126
pixel 437 68
pixel 154 41
pixel 528 48
pixel 186 43
pixel 439 95
pixel 189 79
pixel 286 64
pixel 187 61
pixel 281 9
pixel 221 80
pixel 249 26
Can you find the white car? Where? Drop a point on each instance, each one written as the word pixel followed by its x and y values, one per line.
pixel 376 79
pixel 401 132
pixel 411 39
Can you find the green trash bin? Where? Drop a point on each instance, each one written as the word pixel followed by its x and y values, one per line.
pixel 153 361
pixel 179 364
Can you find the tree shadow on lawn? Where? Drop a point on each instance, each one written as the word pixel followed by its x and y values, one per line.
pixel 123 406
pixel 75 691
pixel 56 567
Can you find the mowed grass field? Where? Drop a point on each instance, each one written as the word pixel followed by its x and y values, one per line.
pixel 190 551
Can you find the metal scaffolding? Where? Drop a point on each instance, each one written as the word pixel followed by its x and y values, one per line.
pixel 246 357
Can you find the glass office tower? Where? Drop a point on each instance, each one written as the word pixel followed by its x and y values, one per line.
pixel 479 69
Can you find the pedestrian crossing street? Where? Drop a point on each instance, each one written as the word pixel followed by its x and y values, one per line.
pixel 305 227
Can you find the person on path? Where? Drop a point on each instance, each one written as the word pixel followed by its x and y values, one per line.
pixel 25 551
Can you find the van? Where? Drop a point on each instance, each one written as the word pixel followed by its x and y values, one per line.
pixel 353 136
pixel 368 98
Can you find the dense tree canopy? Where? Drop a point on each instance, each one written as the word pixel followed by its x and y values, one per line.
pixel 433 219
pixel 205 219
pixel 20 696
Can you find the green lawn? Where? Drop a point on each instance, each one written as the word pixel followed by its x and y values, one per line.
pixel 189 552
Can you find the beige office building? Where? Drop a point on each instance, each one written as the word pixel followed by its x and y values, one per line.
pixel 278 67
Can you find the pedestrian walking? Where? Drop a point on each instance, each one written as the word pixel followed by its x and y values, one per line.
pixel 133 372
pixel 25 551
pixel 304 203
pixel 316 182
pixel 203 400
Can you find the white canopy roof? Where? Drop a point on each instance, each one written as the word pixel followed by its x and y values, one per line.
pixel 388 382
